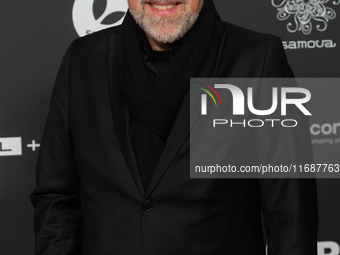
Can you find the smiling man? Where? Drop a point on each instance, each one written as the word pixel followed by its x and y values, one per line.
pixel 113 167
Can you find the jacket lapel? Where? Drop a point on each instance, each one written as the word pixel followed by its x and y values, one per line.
pixel 120 114
pixel 176 138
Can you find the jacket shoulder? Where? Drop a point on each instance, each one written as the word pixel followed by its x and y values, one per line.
pixel 254 54
pixel 247 36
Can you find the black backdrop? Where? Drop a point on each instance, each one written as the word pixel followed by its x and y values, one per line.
pixel 35 35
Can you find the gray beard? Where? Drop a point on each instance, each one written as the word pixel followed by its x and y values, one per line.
pixel 166 30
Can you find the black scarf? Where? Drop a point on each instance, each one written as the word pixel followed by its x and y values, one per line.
pixel 154 108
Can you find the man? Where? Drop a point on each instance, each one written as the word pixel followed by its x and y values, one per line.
pixel 113 169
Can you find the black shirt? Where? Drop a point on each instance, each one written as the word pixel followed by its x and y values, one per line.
pixel 156 62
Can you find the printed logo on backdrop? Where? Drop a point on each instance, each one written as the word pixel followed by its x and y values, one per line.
pixel 93 15
pixel 325 248
pixel 325 133
pixel 304 16
pixel 328 248
pixel 12 146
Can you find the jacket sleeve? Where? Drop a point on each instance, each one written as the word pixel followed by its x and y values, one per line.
pixel 289 205
pixel 58 215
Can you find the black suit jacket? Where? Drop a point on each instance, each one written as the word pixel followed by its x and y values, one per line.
pixel 89 197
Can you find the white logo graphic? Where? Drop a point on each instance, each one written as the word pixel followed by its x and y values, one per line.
pixel 310 44
pixel 94 15
pixel 304 11
pixel 10 146
pixel 328 247
pixel 325 129
pixel 33 145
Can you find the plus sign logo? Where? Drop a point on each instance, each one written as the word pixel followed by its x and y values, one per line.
pixel 94 15
pixel 10 146
pixel 33 145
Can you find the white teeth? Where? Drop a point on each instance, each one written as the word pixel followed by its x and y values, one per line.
pixel 162 7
